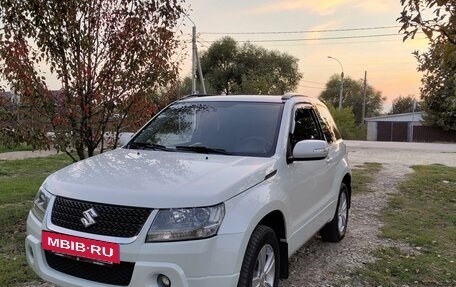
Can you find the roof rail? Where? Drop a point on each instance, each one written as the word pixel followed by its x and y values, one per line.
pixel 194 96
pixel 289 96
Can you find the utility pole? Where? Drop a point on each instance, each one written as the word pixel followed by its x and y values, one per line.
pixel 364 96
pixel 194 59
pixel 196 64
pixel 341 90
pixel 341 93
pixel 200 72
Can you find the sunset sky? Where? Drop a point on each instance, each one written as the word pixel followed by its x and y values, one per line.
pixel 389 62
pixel 362 34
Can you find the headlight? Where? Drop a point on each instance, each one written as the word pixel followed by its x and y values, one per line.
pixel 186 223
pixel 40 204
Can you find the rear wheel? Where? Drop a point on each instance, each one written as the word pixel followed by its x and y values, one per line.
pixel 334 231
pixel 260 267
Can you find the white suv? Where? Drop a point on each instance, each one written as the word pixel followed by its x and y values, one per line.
pixel 213 191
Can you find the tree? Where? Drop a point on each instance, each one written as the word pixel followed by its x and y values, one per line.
pixel 109 55
pixel 9 105
pixel 185 87
pixel 345 121
pixel 218 65
pixel 353 97
pixel 430 16
pixel 404 105
pixel 3 119
pixel 438 92
pixel 248 69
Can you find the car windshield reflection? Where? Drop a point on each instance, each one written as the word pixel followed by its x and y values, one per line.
pixel 230 128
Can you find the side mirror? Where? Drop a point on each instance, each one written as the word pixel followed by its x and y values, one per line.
pixel 310 150
pixel 124 138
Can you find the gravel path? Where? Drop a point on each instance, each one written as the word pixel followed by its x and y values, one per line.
pixel 36 284
pixel 26 154
pixel 324 264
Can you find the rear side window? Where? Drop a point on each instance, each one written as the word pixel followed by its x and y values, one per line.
pixel 327 124
pixel 305 127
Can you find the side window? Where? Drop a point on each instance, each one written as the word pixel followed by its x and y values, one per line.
pixel 305 127
pixel 327 124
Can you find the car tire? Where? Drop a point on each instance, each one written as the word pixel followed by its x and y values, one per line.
pixel 334 231
pixel 261 264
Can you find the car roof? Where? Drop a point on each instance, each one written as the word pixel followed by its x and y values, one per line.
pixel 248 98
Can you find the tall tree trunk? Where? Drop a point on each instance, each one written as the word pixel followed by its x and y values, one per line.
pixel 91 150
pixel 80 151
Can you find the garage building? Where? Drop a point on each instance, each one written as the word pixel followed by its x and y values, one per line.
pixel 406 127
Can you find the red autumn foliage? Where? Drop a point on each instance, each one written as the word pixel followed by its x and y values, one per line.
pixel 110 56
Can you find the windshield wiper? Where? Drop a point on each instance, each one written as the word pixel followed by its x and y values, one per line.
pixel 203 149
pixel 152 146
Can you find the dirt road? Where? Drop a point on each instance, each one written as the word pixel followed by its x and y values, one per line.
pixel 327 264
pixel 26 154
pixel 406 154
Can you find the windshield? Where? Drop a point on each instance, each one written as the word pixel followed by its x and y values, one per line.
pixel 234 128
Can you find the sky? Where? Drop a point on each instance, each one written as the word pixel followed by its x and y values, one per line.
pixel 362 34
pixel 368 33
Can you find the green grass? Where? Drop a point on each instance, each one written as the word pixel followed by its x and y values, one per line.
pixel 13 265
pixel 19 182
pixel 422 215
pixel 21 147
pixel 363 175
pixel 20 179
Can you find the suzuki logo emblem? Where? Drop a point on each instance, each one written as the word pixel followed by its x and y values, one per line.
pixel 88 218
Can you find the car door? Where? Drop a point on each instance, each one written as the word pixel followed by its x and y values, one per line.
pixel 307 179
pixel 335 154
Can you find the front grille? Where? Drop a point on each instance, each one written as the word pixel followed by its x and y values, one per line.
pixel 116 274
pixel 112 220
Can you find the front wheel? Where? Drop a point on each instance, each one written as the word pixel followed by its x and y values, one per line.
pixel 260 267
pixel 334 231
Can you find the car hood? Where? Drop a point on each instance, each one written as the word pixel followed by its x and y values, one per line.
pixel 159 179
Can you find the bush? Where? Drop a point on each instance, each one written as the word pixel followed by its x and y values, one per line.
pixel 345 120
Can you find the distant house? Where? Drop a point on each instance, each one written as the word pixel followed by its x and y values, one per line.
pixel 14 99
pixel 406 127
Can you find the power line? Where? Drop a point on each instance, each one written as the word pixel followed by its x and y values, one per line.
pixel 318 39
pixel 337 43
pixel 202 44
pixel 201 39
pixel 309 87
pixel 178 27
pixel 315 39
pixel 316 44
pixel 302 31
pixel 315 88
pixel 318 83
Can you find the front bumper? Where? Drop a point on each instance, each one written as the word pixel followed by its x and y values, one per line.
pixel 199 263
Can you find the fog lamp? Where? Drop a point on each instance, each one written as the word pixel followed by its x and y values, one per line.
pixel 163 281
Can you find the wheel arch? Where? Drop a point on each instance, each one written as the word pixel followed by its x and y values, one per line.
pixel 263 205
pixel 348 182
pixel 276 221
